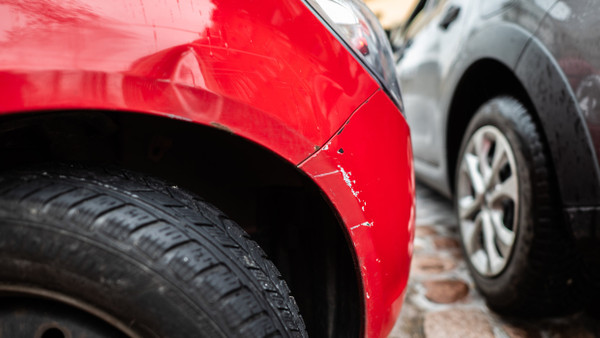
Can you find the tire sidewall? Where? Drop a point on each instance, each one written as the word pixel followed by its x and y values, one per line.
pixel 503 113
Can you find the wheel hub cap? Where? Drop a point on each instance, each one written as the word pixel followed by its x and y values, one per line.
pixel 488 200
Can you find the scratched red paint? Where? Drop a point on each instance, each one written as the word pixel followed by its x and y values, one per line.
pixel 266 70
pixel 125 54
pixel 367 172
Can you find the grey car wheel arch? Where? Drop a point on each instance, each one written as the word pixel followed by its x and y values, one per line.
pixel 568 139
pixel 552 99
pixel 499 46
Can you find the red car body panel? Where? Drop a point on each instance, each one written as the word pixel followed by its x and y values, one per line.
pixel 376 193
pixel 266 70
pixel 249 67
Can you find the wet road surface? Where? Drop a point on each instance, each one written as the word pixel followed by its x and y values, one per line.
pixel 441 299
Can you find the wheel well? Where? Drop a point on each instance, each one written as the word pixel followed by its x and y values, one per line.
pixel 483 80
pixel 281 208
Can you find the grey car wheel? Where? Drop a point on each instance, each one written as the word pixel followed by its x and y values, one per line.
pixel 488 200
pixel 517 248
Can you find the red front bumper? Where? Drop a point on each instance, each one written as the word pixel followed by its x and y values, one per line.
pixel 366 171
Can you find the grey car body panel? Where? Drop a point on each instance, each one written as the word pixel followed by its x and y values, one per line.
pixel 570 39
pixel 553 48
pixel 488 43
pixel 566 134
pixel 499 30
pixel 570 146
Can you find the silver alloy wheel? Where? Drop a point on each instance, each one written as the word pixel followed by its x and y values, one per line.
pixel 488 200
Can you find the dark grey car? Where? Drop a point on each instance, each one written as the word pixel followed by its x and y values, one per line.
pixel 503 100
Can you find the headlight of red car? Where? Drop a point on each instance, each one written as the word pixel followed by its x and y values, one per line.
pixel 359 30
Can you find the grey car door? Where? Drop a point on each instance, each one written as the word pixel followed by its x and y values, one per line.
pixel 432 42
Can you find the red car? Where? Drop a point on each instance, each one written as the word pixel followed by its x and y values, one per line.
pixel 284 115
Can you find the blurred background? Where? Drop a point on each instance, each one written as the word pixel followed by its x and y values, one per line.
pixel 391 13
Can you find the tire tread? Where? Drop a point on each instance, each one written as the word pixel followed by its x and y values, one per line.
pixel 183 236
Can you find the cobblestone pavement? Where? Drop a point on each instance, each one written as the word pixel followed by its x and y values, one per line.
pixel 441 300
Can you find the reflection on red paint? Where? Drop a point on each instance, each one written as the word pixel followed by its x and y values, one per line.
pixel 61 47
pixel 269 72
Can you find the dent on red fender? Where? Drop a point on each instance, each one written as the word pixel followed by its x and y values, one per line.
pixel 366 171
pixel 272 73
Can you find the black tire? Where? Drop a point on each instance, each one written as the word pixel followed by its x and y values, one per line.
pixel 149 258
pixel 540 276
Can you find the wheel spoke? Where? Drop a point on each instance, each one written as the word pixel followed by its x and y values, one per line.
pixel 482 149
pixel 506 189
pixel 474 175
pixel 499 160
pixel 505 235
pixel 494 258
pixel 471 232
pixel 469 207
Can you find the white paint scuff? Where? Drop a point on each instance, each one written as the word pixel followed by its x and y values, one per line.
pixel 350 183
pixel 346 176
pixel 365 224
pixel 326 174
